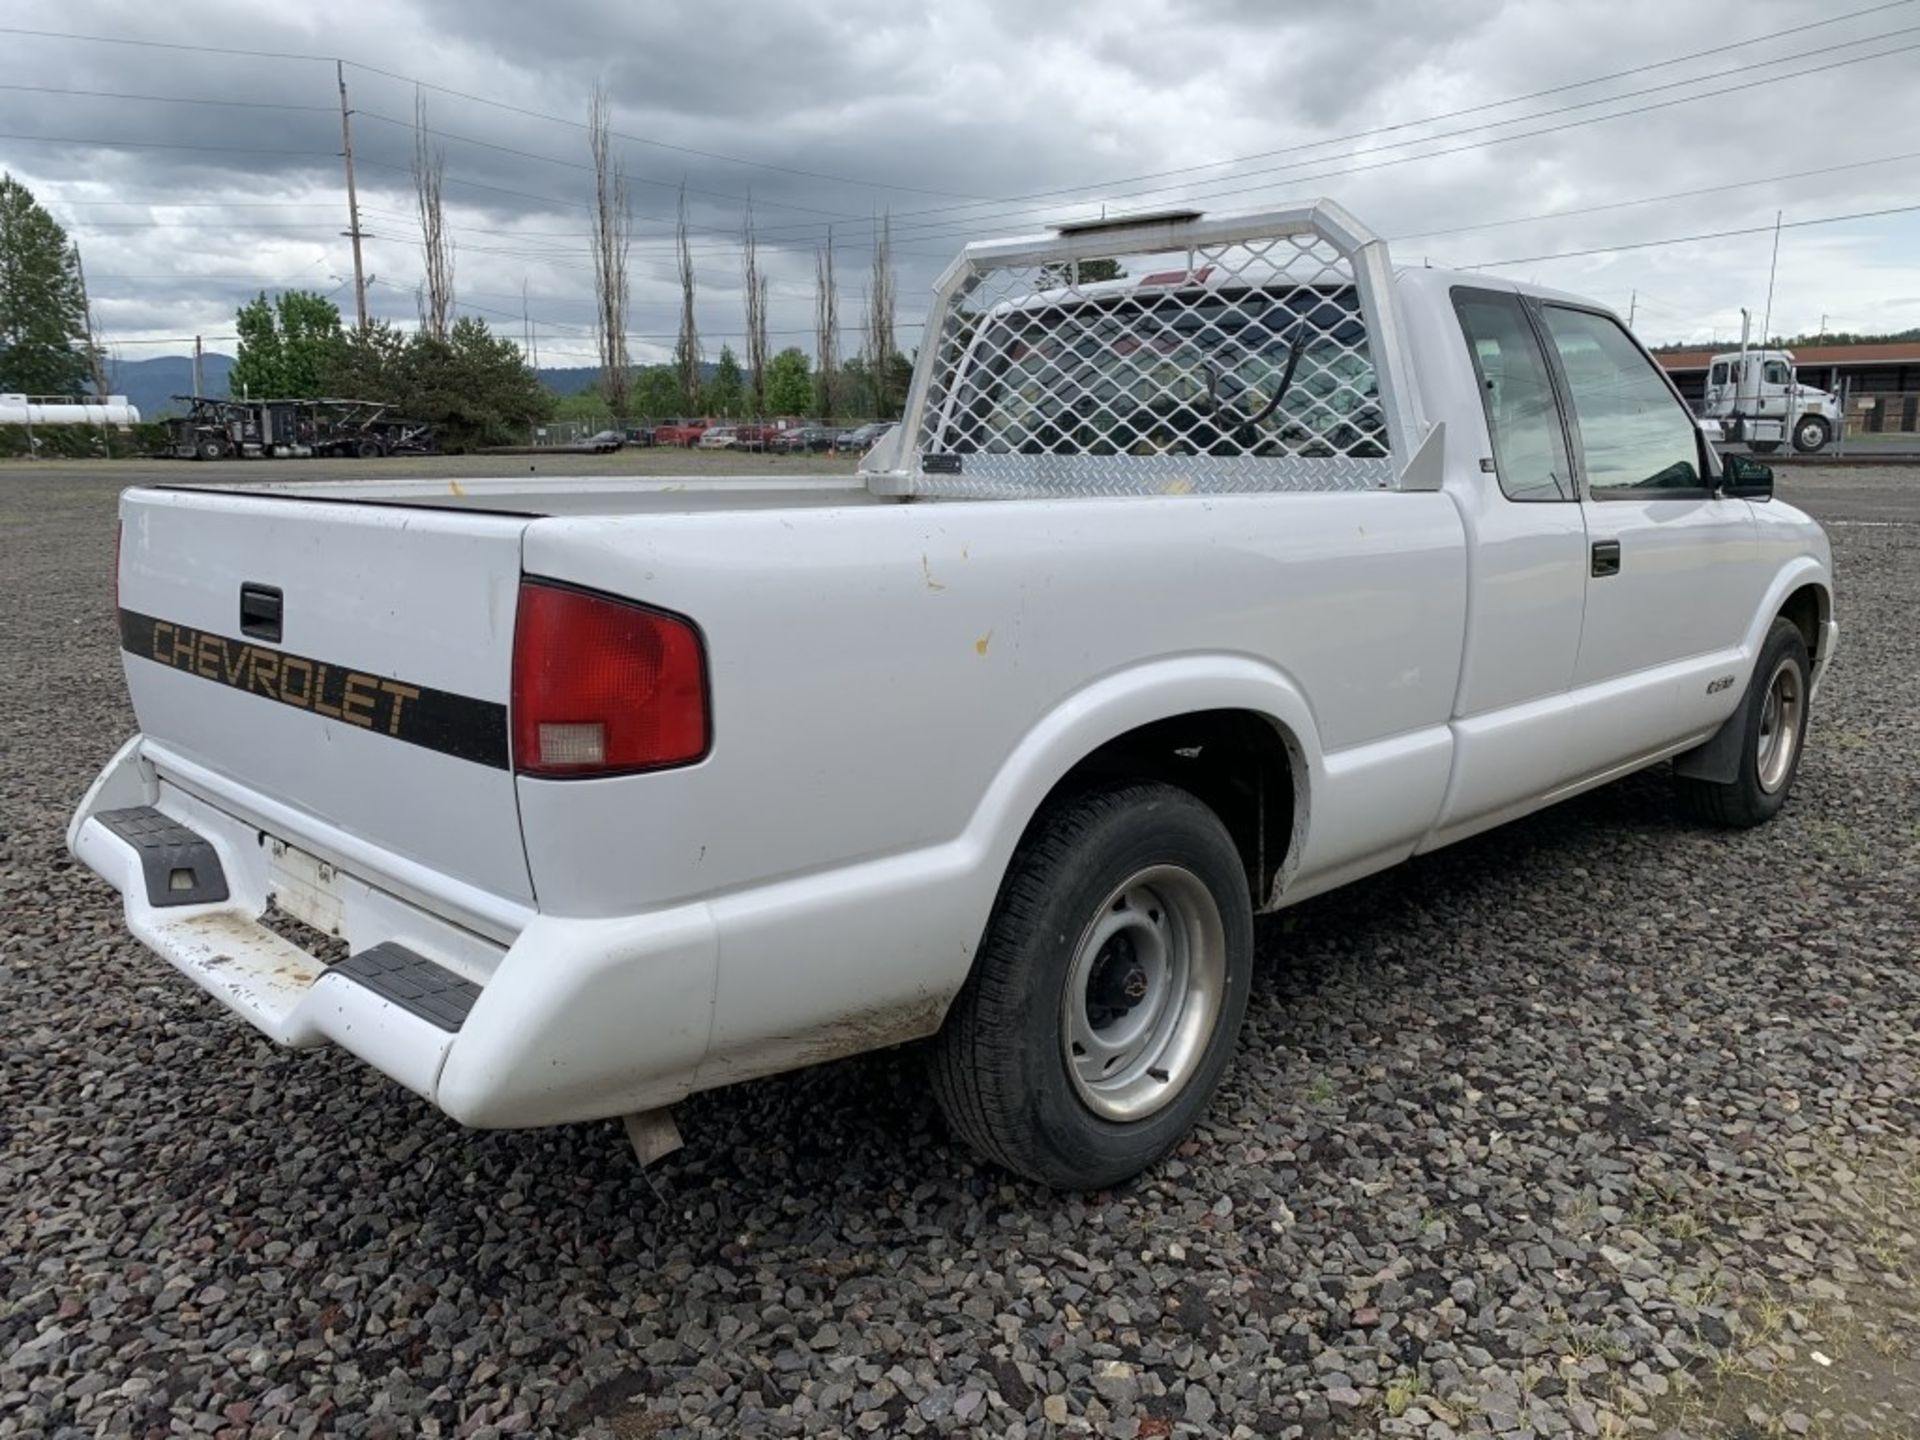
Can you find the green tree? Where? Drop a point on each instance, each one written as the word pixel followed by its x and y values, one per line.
pixel 656 394
pixel 287 346
pixel 369 364
pixel 725 394
pixel 474 387
pixel 790 382
pixel 43 307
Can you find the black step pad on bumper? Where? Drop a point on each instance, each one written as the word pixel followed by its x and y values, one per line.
pixel 181 868
pixel 412 982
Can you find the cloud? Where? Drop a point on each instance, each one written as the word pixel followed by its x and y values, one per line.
pixel 973 118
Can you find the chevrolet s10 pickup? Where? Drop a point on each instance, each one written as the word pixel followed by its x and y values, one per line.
pixel 1214 563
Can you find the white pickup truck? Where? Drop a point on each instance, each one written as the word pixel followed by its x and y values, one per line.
pixel 1191 585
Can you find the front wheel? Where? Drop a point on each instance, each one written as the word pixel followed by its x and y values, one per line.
pixel 1811 434
pixel 1775 715
pixel 1764 447
pixel 1104 1004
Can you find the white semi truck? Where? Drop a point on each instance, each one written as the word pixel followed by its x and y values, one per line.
pixel 1757 397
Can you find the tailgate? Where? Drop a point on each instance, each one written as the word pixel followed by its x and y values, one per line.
pixel 350 662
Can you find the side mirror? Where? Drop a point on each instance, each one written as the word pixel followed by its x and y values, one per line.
pixel 1744 478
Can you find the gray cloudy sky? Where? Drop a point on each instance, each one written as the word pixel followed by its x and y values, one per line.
pixel 969 119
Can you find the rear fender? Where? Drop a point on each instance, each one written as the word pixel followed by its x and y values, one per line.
pixel 1122 702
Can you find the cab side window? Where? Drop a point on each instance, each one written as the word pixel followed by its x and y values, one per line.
pixel 1529 446
pixel 1776 372
pixel 1718 376
pixel 1635 436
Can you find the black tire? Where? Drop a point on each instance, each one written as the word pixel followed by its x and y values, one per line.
pixel 1000 1065
pixel 1764 447
pixel 1759 788
pixel 210 449
pixel 368 449
pixel 1811 434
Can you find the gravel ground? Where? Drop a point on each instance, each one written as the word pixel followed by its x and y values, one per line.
pixel 1599 1125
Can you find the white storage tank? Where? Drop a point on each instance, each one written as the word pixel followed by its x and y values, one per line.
pixel 67 410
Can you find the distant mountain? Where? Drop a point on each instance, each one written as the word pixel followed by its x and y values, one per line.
pixel 573 379
pixel 151 384
pixel 569 380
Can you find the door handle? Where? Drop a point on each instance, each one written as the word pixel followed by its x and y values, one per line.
pixel 260 611
pixel 1606 557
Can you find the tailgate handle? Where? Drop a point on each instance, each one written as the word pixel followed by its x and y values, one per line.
pixel 260 608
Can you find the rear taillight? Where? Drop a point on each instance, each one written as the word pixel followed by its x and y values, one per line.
pixel 602 686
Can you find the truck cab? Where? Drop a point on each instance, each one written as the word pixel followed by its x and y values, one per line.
pixel 1757 396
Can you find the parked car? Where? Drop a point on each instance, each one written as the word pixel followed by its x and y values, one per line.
pixel 684 433
pixel 861 437
pixel 811 438
pixel 605 441
pixel 719 437
pixel 618 792
pixel 755 437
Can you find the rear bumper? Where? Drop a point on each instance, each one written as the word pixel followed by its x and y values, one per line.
pixel 570 1020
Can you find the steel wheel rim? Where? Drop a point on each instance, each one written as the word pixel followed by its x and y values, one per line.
pixel 1782 717
pixel 1144 993
pixel 1809 434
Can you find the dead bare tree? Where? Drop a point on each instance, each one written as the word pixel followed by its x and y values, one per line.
pixel 686 347
pixel 611 234
pixel 880 298
pixel 826 328
pixel 436 242
pixel 756 291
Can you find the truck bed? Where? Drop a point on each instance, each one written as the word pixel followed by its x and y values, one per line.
pixel 577 495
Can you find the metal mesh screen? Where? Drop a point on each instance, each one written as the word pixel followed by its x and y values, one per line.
pixel 1236 364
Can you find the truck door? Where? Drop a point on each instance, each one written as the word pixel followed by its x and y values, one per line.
pixel 1674 576
pixel 1527 577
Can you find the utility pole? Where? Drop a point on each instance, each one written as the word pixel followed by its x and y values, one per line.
pixel 1633 308
pixel 198 383
pixel 353 197
pixel 1766 325
pixel 95 359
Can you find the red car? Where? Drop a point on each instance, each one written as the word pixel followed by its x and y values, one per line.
pixel 755 437
pixel 683 433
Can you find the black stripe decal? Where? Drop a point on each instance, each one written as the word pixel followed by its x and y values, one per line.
pixel 457 725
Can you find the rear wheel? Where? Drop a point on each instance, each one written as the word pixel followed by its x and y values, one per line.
pixel 1811 434
pixel 1775 715
pixel 1104 1004
pixel 1764 447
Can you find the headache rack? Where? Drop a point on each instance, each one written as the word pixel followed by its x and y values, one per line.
pixel 1164 354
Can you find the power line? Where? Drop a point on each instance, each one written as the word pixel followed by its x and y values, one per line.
pixel 1520 99
pixel 429 85
pixel 1657 199
pixel 164 99
pixel 164 145
pixel 441 134
pixel 689 149
pixel 1689 239
pixel 972 202
pixel 946 227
